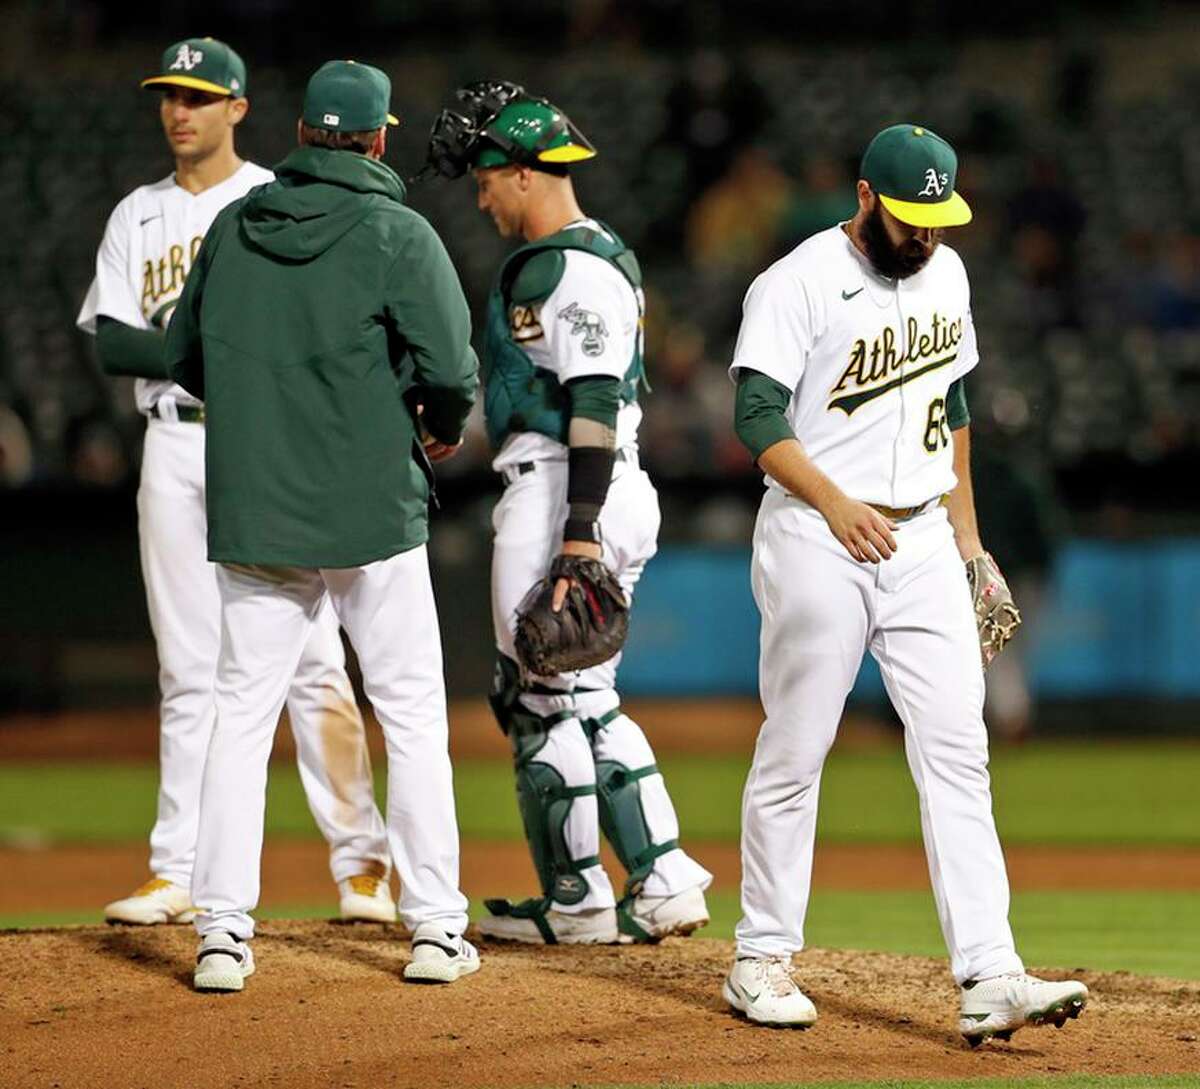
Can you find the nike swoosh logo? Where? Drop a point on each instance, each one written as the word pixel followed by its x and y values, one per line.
pixel 853 401
pixel 849 295
pixel 148 218
pixel 748 996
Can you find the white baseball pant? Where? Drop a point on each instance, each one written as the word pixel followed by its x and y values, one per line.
pixel 267 616
pixel 820 611
pixel 528 521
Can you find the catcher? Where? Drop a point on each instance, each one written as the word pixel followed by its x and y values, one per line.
pixel 563 366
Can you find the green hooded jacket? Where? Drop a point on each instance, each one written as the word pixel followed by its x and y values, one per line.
pixel 319 312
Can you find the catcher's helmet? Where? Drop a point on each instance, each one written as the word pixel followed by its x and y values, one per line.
pixel 498 124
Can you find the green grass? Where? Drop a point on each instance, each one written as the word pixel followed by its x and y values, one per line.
pixel 1045 793
pixel 1100 931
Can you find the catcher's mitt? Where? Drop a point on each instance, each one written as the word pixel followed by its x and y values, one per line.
pixel 590 627
pixel 996 615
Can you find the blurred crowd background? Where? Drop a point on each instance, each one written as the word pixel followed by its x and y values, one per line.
pixel 727 132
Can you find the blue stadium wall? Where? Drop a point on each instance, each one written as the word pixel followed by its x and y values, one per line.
pixel 1120 620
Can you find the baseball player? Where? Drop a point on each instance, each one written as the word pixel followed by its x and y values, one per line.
pixel 322 318
pixel 849 368
pixel 563 369
pixel 148 248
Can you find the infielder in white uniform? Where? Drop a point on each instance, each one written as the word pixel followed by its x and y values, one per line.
pixel 849 367
pixel 149 244
pixel 563 364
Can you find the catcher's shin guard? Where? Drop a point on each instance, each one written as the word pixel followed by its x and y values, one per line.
pixel 623 821
pixel 543 797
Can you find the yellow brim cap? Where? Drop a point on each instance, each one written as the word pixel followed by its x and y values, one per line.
pixel 568 153
pixel 187 81
pixel 945 213
pixel 393 120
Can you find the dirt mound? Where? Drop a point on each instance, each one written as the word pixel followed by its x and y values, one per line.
pixel 94 1006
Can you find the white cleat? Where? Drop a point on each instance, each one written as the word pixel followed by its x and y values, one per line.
pixel 999 1005
pixel 595 927
pixel 157 901
pixel 366 898
pixel 763 990
pixel 222 963
pixel 439 957
pixel 656 917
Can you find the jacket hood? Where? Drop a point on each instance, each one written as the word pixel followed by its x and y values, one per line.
pixel 317 196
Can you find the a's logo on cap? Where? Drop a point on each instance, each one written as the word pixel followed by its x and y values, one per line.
pixel 935 183
pixel 332 119
pixel 187 58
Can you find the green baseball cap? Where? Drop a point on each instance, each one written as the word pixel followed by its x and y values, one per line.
pixel 345 96
pixel 913 170
pixel 531 129
pixel 204 64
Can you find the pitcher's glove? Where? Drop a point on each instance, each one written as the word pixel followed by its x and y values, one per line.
pixel 996 615
pixel 589 628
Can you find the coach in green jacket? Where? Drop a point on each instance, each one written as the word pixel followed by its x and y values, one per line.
pixel 326 331
pixel 315 305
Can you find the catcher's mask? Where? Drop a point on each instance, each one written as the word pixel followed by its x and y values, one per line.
pixel 498 123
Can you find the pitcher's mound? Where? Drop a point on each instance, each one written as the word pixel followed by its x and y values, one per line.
pixel 94 1006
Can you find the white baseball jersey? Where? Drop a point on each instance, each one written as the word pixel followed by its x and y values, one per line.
pixel 148 247
pixel 589 325
pixel 869 361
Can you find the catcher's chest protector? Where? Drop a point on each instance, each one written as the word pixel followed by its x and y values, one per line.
pixel 519 395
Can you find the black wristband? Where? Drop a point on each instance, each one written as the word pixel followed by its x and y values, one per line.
pixel 578 529
pixel 589 474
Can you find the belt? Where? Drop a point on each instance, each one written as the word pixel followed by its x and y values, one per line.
pixel 190 414
pixel 513 472
pixel 903 514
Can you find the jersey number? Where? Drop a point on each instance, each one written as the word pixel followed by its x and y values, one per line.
pixel 937 429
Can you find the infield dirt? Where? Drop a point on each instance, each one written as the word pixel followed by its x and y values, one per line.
pixel 94 1006
pixel 89 1007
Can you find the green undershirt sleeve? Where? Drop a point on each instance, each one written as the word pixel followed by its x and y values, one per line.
pixel 957 414
pixel 596 398
pixel 126 350
pixel 760 411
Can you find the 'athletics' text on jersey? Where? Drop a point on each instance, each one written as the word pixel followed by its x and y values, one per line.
pixel 869 361
pixel 148 248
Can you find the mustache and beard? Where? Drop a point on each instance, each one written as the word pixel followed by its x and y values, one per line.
pixel 896 262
